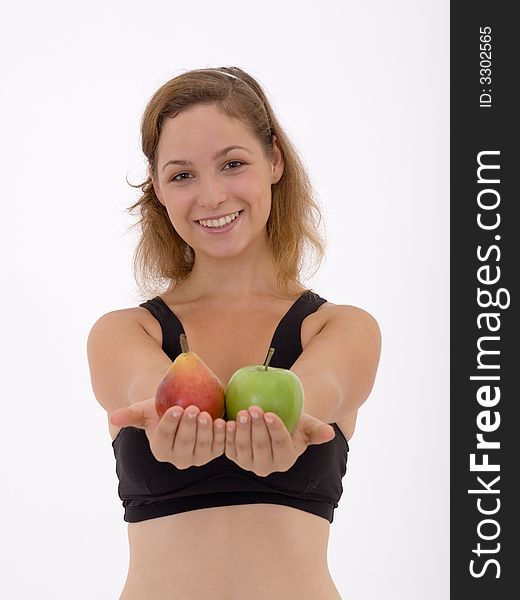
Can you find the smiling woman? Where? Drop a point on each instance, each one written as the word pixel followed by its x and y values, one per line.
pixel 227 217
pixel 212 185
pixel 162 256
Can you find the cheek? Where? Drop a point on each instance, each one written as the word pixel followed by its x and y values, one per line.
pixel 257 194
pixel 177 203
pixel 177 214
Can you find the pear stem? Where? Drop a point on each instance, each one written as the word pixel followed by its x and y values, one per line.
pixel 184 342
pixel 268 359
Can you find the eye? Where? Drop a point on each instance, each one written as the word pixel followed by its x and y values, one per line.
pixel 184 176
pixel 235 162
pixel 176 177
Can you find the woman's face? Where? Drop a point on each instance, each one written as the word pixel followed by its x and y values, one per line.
pixel 201 178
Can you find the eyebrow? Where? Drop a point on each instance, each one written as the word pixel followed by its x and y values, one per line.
pixel 218 154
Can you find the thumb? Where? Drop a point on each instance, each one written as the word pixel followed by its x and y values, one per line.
pixel 135 415
pixel 122 417
pixel 318 432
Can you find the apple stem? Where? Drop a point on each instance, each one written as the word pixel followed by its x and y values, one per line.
pixel 268 359
pixel 184 342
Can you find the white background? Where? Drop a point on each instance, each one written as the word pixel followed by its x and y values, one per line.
pixel 362 88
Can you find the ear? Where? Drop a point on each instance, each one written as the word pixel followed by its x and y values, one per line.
pixel 155 186
pixel 278 163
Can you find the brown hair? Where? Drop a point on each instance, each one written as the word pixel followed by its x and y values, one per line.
pixel 161 255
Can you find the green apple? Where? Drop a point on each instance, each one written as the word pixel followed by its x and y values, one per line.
pixel 271 388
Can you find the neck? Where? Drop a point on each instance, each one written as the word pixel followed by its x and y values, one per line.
pixel 251 274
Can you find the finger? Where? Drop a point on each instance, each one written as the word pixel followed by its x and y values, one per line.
pixel 243 440
pixel 260 441
pixel 219 437
pixel 186 435
pixel 281 442
pixel 231 451
pixel 204 438
pixel 138 414
pixel 163 436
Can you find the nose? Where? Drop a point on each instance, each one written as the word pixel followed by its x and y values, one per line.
pixel 212 192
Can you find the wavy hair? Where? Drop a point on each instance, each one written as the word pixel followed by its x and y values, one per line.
pixel 162 258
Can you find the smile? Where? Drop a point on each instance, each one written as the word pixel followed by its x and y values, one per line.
pixel 221 222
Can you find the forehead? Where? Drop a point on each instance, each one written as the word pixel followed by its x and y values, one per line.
pixel 203 127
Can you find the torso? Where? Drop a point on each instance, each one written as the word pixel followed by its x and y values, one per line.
pixel 233 543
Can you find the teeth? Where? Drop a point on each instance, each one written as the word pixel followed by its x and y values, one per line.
pixel 219 222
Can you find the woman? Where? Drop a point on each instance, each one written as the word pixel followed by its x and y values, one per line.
pixel 225 510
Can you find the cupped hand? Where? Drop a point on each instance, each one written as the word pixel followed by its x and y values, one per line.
pixel 183 437
pixel 264 447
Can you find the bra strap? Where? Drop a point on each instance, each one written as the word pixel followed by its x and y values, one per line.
pixel 170 325
pixel 287 339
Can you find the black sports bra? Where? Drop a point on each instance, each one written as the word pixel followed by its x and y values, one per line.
pixel 150 489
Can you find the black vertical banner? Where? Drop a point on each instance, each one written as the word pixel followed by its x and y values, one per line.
pixel 485 269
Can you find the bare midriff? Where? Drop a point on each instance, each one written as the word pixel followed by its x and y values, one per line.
pixel 244 552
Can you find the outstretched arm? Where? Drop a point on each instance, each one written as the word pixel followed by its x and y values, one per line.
pixel 338 364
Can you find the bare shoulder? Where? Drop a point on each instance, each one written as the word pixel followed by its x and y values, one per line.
pixel 345 317
pixel 129 316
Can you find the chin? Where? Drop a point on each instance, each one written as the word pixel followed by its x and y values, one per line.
pixel 231 248
pixel 220 253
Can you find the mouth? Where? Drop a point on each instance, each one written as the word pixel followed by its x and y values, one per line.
pixel 222 224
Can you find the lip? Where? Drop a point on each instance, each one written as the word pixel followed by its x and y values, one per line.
pixel 218 216
pixel 228 227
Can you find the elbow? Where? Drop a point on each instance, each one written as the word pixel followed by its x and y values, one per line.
pixel 343 405
pixel 349 402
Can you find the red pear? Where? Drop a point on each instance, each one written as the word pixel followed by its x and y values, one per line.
pixel 190 381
